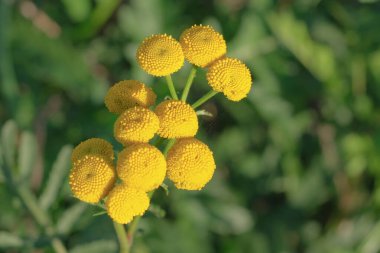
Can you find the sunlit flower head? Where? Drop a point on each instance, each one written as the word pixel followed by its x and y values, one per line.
pixel 141 166
pixel 136 125
pixel 231 77
pixel 124 203
pixel 91 178
pixel 202 45
pixel 160 55
pixel 177 119
pixel 190 164
pixel 128 93
pixel 93 146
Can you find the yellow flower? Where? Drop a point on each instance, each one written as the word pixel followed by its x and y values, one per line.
pixel 230 76
pixel 93 146
pixel 160 55
pixel 141 166
pixel 136 125
pixel 128 93
pixel 177 119
pixel 202 45
pixel 190 164
pixel 123 203
pixel 91 178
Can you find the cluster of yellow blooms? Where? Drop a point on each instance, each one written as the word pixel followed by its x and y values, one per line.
pixel 142 167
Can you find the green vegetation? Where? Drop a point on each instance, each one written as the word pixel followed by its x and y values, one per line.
pixel 298 161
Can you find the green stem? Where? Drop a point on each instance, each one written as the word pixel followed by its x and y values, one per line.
pixel 189 82
pixel 170 84
pixel 203 99
pixel 122 237
pixel 168 146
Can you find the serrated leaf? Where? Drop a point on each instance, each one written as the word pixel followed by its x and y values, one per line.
pixel 27 155
pixel 60 169
pixel 70 217
pixel 100 246
pixel 8 142
pixel 8 240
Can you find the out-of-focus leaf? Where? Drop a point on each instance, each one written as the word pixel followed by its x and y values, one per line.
pixel 77 10
pixel 165 188
pixel 68 219
pixel 59 171
pixel 100 246
pixel 157 211
pixel 27 155
pixel 9 240
pixel 8 142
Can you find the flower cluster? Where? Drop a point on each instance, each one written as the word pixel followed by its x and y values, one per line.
pixel 142 167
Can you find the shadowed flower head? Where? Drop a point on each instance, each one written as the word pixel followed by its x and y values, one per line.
pixel 190 164
pixel 230 76
pixel 160 55
pixel 141 166
pixel 91 178
pixel 136 125
pixel 202 45
pixel 123 203
pixel 128 93
pixel 177 119
pixel 93 146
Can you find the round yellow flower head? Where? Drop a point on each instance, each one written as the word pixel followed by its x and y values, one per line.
pixel 136 125
pixel 123 203
pixel 93 146
pixel 202 45
pixel 141 166
pixel 91 178
pixel 230 76
pixel 160 55
pixel 190 164
pixel 177 119
pixel 128 93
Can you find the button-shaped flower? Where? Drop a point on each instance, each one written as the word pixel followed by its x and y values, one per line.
pixel 128 93
pixel 123 203
pixel 177 119
pixel 136 125
pixel 190 164
pixel 141 166
pixel 93 146
pixel 160 55
pixel 202 45
pixel 91 178
pixel 230 76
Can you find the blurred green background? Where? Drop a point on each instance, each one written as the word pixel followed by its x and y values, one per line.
pixel 298 161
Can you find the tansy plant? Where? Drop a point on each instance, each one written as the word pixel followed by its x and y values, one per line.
pixel 124 188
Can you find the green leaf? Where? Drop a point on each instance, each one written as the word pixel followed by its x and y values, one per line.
pixel 60 169
pixel 100 246
pixel 8 240
pixel 8 142
pixel 66 223
pixel 27 155
pixel 77 10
